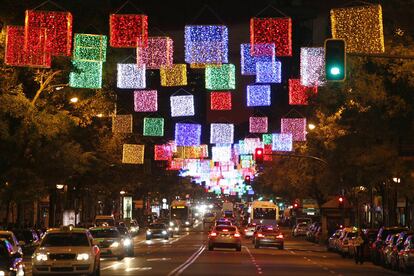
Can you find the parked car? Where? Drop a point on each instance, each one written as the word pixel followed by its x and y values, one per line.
pixel 399 245
pixel 300 229
pixel 406 256
pixel 378 244
pixel 344 241
pixel 333 240
pixel 387 251
pixel 10 261
pixel 9 235
pixel 28 240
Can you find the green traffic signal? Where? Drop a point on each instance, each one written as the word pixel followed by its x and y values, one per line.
pixel 335 59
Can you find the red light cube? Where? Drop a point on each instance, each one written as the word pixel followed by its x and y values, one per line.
pixel 128 30
pixel 299 94
pixel 220 100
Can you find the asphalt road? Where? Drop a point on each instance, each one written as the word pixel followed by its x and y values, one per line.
pixel 187 255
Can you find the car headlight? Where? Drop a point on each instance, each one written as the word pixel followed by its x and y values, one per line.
pixel 41 257
pixel 149 232
pixel 187 223
pixel 82 257
pixel 164 232
pixel 171 223
pixel 115 244
pixel 2 273
pixel 176 229
pixel 127 242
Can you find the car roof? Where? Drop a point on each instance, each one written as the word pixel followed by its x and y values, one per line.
pixel 104 228
pixel 4 232
pixel 64 230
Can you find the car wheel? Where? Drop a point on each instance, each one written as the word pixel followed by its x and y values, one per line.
pixel 148 238
pixel 120 257
pixel 210 247
pixel 238 248
pixel 281 247
pixel 256 245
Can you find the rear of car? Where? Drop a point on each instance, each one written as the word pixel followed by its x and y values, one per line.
pixel 109 241
pixel 249 230
pixel 345 240
pixel 224 236
pixel 300 229
pixel 65 251
pixel 269 236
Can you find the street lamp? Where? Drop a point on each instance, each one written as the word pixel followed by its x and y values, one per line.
pixel 396 179
pixel 311 126
pixel 60 186
pixel 122 192
pixel 74 99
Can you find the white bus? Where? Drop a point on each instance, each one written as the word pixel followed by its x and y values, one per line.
pixel 264 212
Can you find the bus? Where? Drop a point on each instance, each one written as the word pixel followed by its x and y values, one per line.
pixel 264 212
pixel 180 214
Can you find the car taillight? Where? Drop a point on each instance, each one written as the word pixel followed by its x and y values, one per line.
pixel 213 234
pixel 280 236
pixel 237 235
pixel 260 235
pixel 245 230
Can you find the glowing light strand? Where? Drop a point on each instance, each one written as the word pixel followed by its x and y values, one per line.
pixel 312 66
pixel 128 30
pixel 221 133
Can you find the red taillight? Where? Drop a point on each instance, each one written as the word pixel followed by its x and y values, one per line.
pixel 260 235
pixel 213 234
pixel 237 235
pixel 245 230
pixel 280 236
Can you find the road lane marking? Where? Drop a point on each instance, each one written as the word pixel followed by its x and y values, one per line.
pixel 158 259
pixel 179 269
pixel 258 268
pixel 111 266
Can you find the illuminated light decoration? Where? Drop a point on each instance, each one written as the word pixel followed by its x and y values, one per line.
pixel 221 133
pixel 174 75
pixel 37 55
pixel 162 152
pixel 265 53
pixel 220 78
pixel 251 144
pixel 204 151
pixel 86 74
pixel 122 123
pixel 282 142
pixel 360 27
pixel 267 151
pixel 258 124
pixel 221 153
pixel 246 163
pixel 130 76
pixel 176 164
pixel 296 126
pixel 258 95
pixel 182 105
pixel 145 101
pixel 269 72
pixel 153 127
pixel 159 52
pixel 312 66
pixel 189 152
pixel 299 94
pixel 128 30
pixel 58 27
pixel 220 100
pixel 272 30
pixel 133 154
pixel 90 47
pixel 267 139
pixel 206 44
pixel 187 134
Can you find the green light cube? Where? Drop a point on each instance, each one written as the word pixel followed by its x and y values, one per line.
pixel 220 77
pixel 86 74
pixel 90 47
pixel 267 139
pixel 153 126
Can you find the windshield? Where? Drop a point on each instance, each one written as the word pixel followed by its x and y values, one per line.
pixel 157 226
pixel 179 212
pixel 222 228
pixel 264 213
pixel 65 239
pixel 105 233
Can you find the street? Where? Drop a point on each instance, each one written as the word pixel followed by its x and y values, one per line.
pixel 186 254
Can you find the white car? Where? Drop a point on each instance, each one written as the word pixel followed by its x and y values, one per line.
pixel 249 230
pixel 66 251
pixel 8 235
pixel 110 241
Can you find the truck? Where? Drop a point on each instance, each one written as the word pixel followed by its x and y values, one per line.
pixel 180 214
pixel 264 212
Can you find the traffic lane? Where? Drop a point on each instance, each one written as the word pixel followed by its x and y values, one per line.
pixel 156 257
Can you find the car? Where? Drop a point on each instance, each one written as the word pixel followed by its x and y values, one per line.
pixel 28 240
pixel 157 230
pixel 66 250
pixel 223 221
pixel 399 245
pixel 10 260
pixel 268 236
pixel 224 236
pixel 344 241
pixel 333 240
pixel 9 235
pixel 109 240
pixel 406 256
pixel 249 230
pixel 104 220
pixel 127 241
pixel 300 229
pixel 387 252
pixel 209 218
pixel 377 245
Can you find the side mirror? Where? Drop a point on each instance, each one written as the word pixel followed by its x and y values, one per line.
pixel 22 243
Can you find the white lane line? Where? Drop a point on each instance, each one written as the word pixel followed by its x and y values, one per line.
pixel 158 259
pixel 190 260
pixel 332 272
pixel 116 265
pixel 138 268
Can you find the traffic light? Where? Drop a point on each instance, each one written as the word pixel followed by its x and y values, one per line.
pixel 258 155
pixel 295 205
pixel 335 59
pixel 341 200
pixel 247 179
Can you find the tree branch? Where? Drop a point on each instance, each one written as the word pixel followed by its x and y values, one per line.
pixel 44 84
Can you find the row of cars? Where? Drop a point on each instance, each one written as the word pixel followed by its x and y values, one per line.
pixel 391 247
